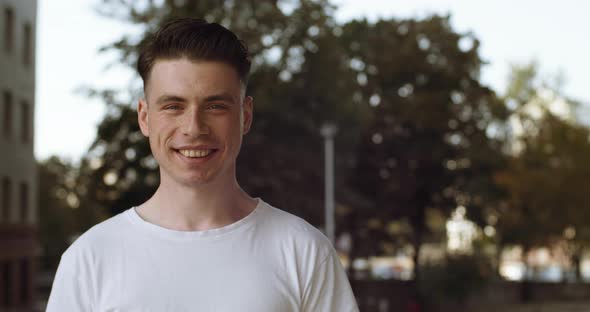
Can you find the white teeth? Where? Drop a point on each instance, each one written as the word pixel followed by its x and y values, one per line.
pixel 195 153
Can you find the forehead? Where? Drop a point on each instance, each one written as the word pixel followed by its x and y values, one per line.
pixel 189 78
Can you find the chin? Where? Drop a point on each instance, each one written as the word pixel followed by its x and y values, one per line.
pixel 197 180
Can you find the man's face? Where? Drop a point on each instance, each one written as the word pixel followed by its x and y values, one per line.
pixel 195 115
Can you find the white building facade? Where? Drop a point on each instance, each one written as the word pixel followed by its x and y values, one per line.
pixel 19 248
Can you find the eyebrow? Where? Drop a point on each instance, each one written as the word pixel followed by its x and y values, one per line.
pixel 170 98
pixel 211 98
pixel 219 97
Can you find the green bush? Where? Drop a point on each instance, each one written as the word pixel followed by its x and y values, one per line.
pixel 454 280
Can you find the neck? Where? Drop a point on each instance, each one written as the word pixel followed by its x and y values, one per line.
pixel 196 208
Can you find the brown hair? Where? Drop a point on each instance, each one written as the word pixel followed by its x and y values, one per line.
pixel 194 39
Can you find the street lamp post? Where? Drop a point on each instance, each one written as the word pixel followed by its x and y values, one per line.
pixel 328 131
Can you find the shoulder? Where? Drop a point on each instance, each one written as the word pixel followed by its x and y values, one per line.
pixel 292 224
pixel 291 230
pixel 96 238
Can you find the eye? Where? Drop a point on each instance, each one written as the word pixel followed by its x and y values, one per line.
pixel 217 106
pixel 172 107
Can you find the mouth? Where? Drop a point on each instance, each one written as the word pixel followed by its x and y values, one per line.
pixel 196 154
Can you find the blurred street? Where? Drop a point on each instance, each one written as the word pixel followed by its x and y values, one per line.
pixel 542 307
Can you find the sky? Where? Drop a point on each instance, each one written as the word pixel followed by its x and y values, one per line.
pixel 69 34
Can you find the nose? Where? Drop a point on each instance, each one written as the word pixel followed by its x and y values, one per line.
pixel 195 123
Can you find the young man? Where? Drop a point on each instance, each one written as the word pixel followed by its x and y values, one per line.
pixel 200 243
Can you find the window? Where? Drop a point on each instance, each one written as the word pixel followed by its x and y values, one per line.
pixel 8 29
pixel 2 286
pixel 6 280
pixel 6 198
pixel 24 281
pixel 25 122
pixel 7 114
pixel 27 44
pixel 24 201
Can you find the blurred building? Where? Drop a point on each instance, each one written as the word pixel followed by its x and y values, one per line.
pixel 19 246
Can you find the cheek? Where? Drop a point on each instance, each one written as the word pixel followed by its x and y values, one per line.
pixel 233 127
pixel 161 130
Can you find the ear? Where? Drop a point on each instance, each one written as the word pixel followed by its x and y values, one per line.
pixel 142 117
pixel 247 114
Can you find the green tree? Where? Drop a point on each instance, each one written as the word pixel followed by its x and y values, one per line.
pixel 60 219
pixel 56 224
pixel 545 178
pixel 427 144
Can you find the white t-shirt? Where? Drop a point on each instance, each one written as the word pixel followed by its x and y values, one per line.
pixel 269 261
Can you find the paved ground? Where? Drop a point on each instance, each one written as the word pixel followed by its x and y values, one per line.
pixel 544 307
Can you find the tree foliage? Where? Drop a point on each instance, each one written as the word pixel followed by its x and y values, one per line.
pixel 60 216
pixel 546 177
pixel 426 143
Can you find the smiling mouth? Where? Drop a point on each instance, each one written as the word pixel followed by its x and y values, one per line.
pixel 196 153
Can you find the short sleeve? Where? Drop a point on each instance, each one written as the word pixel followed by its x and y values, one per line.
pixel 329 289
pixel 71 290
